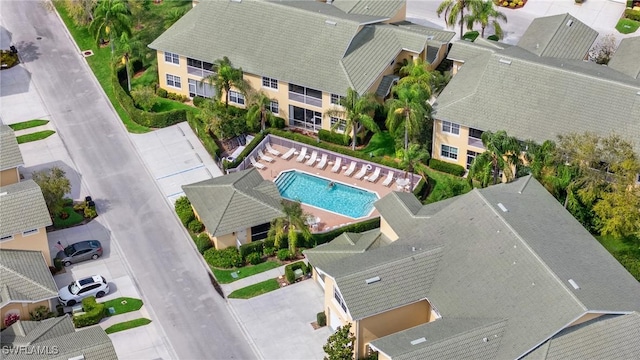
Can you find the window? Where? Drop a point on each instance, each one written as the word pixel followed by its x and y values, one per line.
pixel 30 232
pixel 174 81
pixel 451 128
pixel 343 124
pixel 236 97
pixel 471 155
pixel 305 118
pixel 269 83
pixel 449 152
pixel 274 107
pixel 335 99
pixel 201 88
pixel 336 295
pixel 6 237
pixel 171 58
pixel 475 133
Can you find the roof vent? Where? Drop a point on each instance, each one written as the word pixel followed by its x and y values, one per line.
pixel 79 357
pixel 372 280
pixel 485 339
pixel 574 284
pixel 569 23
pixel 638 93
pixel 418 341
pixel 3 193
pixel 238 1
pixel 330 22
pixel 413 248
pixel 505 61
pixel 502 207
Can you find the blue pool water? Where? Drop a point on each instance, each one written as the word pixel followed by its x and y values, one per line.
pixel 315 191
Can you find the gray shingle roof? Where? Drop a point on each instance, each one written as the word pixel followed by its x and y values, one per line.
pixel 462 50
pixel 236 201
pixel 477 261
pixel 626 58
pixel 57 333
pixel 10 156
pixel 25 276
pixel 22 208
pixel 555 97
pixel 386 9
pixel 559 36
pixel 435 36
pixel 606 337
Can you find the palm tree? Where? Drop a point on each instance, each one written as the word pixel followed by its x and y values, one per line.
pixel 259 111
pixel 128 47
pixel 453 12
pixel 293 224
pixel 484 13
pixel 414 158
pixel 417 72
pixel 501 154
pixel 356 110
pixel 408 109
pixel 225 77
pixel 111 18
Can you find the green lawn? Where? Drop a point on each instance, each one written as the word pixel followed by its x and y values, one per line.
pixel 130 305
pixel 627 26
pixel 28 124
pixel 616 244
pixel 73 219
pixel 168 105
pixel 255 289
pixel 127 325
pixel 224 275
pixel 148 78
pixel 381 144
pixel 34 136
pixel 100 64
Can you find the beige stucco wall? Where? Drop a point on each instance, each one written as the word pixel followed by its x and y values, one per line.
pixel 387 230
pixel 390 322
pixel 400 15
pixel 9 176
pixel 382 356
pixel 224 241
pixel 23 309
pixel 173 69
pixel 460 141
pixel 331 305
pixel 37 242
pixel 584 318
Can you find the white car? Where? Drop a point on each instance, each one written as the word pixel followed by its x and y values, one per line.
pixel 76 291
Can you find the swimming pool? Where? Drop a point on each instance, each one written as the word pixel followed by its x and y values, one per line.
pixel 315 191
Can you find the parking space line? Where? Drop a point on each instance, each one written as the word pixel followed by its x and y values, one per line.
pixel 181 171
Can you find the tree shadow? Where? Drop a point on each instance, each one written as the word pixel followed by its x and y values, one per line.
pixel 27 51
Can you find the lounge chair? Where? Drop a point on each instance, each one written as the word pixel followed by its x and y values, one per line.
pixel 289 153
pixel 256 164
pixel 323 162
pixel 362 172
pixel 272 151
pixel 389 179
pixel 375 175
pixel 312 159
pixel 336 166
pixel 351 169
pixel 264 157
pixel 300 157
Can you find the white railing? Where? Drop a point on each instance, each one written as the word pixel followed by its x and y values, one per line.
pixel 305 99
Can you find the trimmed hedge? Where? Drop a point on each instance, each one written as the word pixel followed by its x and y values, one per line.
pixel 449 168
pixel 334 137
pixel 94 312
pixel 471 35
pixel 148 119
pixel 203 242
pixel 248 149
pixel 493 37
pixel 254 258
pixel 208 141
pixel 321 318
pixel 254 247
pixel 632 14
pixel 289 270
pixel 226 258
pixel 184 210
pixel 318 239
pixel 195 226
pixel 284 254
pixel 277 122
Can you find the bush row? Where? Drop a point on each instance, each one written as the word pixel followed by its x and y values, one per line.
pixel 334 137
pixel 255 247
pixel 447 167
pixel 94 312
pixel 225 258
pixel 318 239
pixel 148 119
pixel 185 211
pixel 632 14
pixel 203 242
pixel 289 270
pixel 205 137
pixel 247 150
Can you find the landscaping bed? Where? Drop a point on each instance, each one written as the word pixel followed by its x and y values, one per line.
pixel 127 325
pixel 34 136
pixel 28 124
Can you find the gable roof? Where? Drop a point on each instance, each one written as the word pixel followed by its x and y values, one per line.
pixel 346 245
pixel 387 8
pixel 559 36
pixel 236 201
pixel 25 277
pixel 478 261
pixel 10 156
pixel 552 97
pixel 461 50
pixel 22 208
pixel 92 343
pixel 626 58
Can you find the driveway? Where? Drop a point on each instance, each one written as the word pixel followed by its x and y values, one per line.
pixel 279 322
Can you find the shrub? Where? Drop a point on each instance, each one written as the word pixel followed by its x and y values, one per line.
pixel 177 97
pixel 277 122
pixel 184 210
pixel 10 319
pixel 94 312
pixel 289 270
pixel 471 35
pixel 632 14
pixel 203 242
pixel 334 137
pixel 254 258
pixel 144 97
pixel 90 212
pixel 198 101
pixel 251 248
pixel 80 206
pixel 269 251
pixel 226 258
pixel 493 37
pixel 162 93
pixel 205 137
pixel 57 264
pixel 289 275
pixel 284 254
pixel 321 318
pixel 8 59
pixel 195 226
pixel 41 313
pixel 318 239
pixel 447 167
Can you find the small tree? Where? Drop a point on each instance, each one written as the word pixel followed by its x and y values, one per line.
pixel 339 345
pixel 602 52
pixel 54 185
pixel 144 97
pixel 291 225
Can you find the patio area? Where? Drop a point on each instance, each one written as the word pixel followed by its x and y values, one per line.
pixel 327 220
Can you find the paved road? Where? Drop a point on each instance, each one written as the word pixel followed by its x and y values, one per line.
pixel 169 274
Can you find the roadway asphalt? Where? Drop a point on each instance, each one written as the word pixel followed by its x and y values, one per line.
pixel 168 272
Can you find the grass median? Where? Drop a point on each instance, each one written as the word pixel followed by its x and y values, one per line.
pixel 127 325
pixel 255 289
pixel 34 136
pixel 28 124
pixel 224 276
